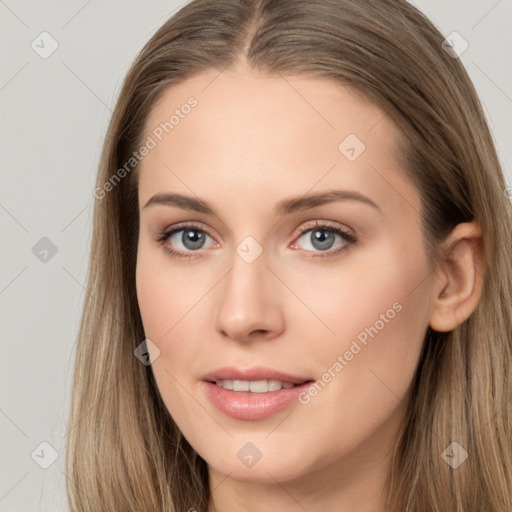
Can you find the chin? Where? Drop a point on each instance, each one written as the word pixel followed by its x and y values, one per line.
pixel 267 469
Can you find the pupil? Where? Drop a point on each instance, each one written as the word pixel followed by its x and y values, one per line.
pixel 324 238
pixel 195 239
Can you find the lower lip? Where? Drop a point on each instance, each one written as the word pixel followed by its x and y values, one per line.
pixel 244 405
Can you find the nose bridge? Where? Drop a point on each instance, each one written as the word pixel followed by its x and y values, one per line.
pixel 248 301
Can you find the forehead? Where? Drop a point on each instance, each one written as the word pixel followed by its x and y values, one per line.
pixel 285 105
pixel 266 133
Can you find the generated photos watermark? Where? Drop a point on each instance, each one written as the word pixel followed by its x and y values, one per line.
pixel 151 142
pixel 356 346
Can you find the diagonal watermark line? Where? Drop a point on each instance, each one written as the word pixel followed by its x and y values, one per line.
pixel 288 492
pixel 14 76
pixel 214 78
pixel 300 300
pixel 280 423
pixel 13 279
pixel 199 403
pixel 498 411
pixel 486 14
pixel 385 114
pixel 403 403
pixel 306 101
pixel 67 476
pixel 14 485
pixel 103 395
pixel 77 281
pixel 435 435
pixel 14 218
pixel 492 81
pixel 307 191
pixel 2 1
pixel 373 167
pixel 407 406
pixel 73 219
pixel 87 291
pixel 423 280
pixel 86 86
pixel 76 14
pixel 193 306
pixel 13 423
pixel 221 482
pixel 220 220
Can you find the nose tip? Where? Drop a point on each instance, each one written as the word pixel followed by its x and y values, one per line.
pixel 248 306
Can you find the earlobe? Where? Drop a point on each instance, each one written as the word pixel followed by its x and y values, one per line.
pixel 459 278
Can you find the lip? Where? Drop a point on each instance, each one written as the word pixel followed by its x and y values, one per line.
pixel 249 406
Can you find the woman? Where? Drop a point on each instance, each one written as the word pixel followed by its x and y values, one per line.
pixel 300 276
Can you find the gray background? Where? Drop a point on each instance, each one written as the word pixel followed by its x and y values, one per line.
pixel 54 114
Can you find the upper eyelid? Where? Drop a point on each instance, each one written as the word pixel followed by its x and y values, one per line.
pixel 306 226
pixel 185 225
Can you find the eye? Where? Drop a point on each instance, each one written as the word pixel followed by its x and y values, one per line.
pixel 322 237
pixel 187 238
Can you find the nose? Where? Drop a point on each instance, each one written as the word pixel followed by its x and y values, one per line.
pixel 249 306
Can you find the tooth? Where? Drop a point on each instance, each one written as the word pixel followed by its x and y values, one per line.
pixel 274 385
pixel 255 386
pixel 240 385
pixel 258 386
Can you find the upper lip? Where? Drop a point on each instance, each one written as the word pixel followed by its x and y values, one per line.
pixel 254 373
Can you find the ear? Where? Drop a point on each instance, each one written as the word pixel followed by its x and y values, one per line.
pixel 459 277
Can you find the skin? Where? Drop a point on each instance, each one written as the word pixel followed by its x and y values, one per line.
pixel 251 142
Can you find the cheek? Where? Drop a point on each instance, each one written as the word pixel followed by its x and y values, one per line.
pixel 153 302
pixel 165 292
pixel 375 293
pixel 170 299
pixel 379 314
pixel 163 303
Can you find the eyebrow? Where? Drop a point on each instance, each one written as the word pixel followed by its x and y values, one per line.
pixel 285 207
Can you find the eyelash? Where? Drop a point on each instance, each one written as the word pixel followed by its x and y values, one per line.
pixel 324 226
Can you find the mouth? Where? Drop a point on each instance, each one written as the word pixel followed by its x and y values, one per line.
pixel 253 393
pixel 254 380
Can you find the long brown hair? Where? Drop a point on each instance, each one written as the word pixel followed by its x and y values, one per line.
pixel 124 451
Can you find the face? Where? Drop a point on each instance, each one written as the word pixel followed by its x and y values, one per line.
pixel 288 265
